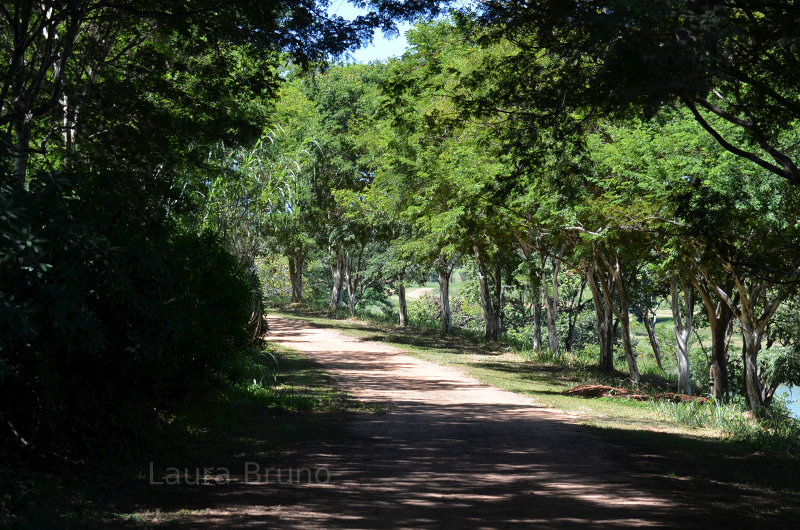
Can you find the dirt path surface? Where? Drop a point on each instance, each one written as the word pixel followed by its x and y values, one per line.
pixel 454 453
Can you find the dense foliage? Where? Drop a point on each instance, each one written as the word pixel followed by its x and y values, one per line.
pixel 133 204
pixel 584 170
pixel 105 309
pixel 564 211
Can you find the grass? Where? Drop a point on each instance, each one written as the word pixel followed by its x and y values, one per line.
pixel 268 418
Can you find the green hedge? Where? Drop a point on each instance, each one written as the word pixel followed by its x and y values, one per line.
pixel 106 309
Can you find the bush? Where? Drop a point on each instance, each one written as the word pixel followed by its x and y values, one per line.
pixel 773 429
pixel 106 309
pixel 425 312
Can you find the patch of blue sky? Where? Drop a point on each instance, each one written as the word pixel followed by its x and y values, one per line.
pixel 382 46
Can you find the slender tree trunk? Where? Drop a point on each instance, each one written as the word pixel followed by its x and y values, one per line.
pixel 551 307
pixel 606 337
pixel 572 317
pixel 296 260
pixel 338 272
pixel 682 332
pixel 353 277
pixel 537 313
pixel 650 326
pixel 605 321
pixel 351 299
pixel 350 283
pixel 614 269
pixel 630 356
pixel 401 302
pixel 443 271
pixel 497 297
pixel 489 303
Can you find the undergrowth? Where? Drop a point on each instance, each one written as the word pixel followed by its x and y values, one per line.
pixel 772 429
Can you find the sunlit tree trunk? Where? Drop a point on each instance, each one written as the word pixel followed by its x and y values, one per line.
pixel 296 263
pixel 551 307
pixel 683 331
pixel 401 302
pixel 443 271
pixel 537 320
pixel 338 272
pixel 649 318
pixel 536 301
pixel 753 329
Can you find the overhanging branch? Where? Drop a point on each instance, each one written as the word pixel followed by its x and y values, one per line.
pixel 794 179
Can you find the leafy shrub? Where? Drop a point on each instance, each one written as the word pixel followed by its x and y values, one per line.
pixel 782 365
pixel 425 312
pixel 772 430
pixel 106 308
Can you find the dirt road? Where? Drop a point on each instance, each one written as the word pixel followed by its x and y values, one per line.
pixel 453 453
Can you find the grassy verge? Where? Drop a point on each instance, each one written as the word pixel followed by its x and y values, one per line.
pixel 268 419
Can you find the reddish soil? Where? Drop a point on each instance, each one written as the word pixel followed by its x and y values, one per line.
pixel 454 453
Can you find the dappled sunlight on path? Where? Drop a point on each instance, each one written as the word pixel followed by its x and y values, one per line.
pixel 454 453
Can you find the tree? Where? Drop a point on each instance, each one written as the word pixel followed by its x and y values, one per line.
pixel 441 166
pixel 66 62
pixel 346 100
pixel 115 296
pixel 732 60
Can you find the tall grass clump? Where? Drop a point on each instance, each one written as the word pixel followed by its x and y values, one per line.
pixel 771 429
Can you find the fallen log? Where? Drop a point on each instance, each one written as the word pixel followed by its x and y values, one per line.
pixel 596 391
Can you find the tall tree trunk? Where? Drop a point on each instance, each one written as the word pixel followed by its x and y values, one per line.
pixel 572 317
pixel 353 277
pixel 443 271
pixel 401 302
pixel 752 383
pixel 649 317
pixel 627 347
pixel 338 272
pixel 489 303
pixel 719 320
pixel 720 388
pixel 682 332
pixel 350 280
pixel 605 320
pixel 622 313
pixel 537 312
pixel 296 260
pixel 551 307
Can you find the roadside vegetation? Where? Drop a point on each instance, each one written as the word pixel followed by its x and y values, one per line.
pixel 609 189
